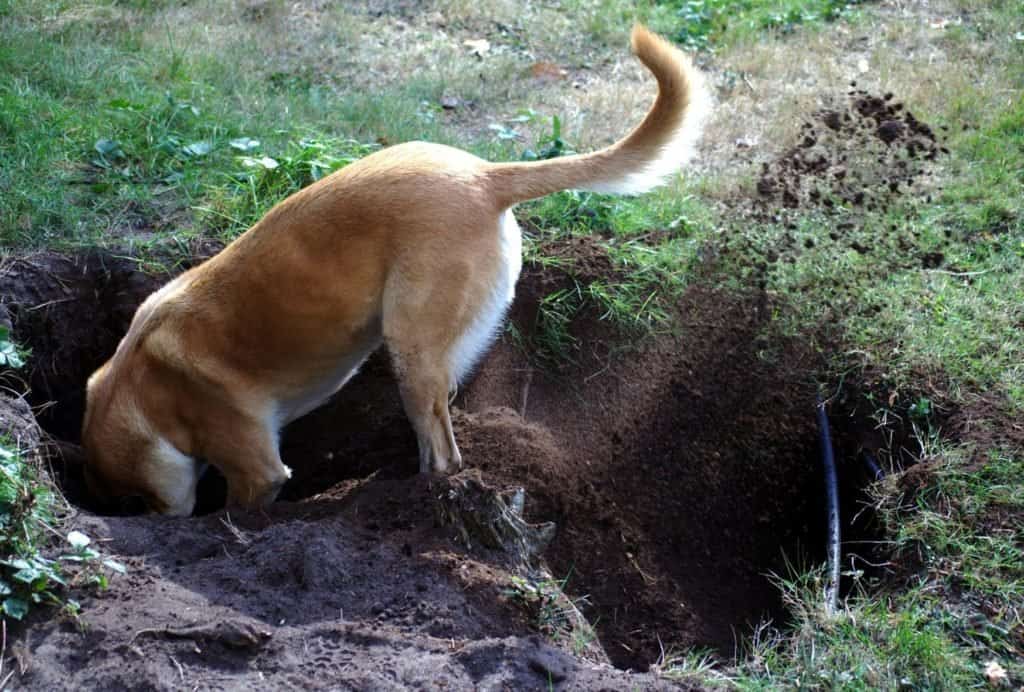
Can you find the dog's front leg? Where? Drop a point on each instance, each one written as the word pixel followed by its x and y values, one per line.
pixel 249 459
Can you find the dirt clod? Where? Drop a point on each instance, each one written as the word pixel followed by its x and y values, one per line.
pixel 485 515
pixel 233 633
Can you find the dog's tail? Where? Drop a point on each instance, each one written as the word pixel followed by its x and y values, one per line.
pixel 658 147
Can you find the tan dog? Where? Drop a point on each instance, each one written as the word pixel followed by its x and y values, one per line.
pixel 414 246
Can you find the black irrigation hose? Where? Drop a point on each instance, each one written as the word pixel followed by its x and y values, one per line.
pixel 828 462
pixel 876 471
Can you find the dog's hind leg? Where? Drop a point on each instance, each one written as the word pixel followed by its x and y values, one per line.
pixel 421 330
pixel 441 311
pixel 424 390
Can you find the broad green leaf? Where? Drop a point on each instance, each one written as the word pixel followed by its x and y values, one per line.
pixel 9 354
pixel 109 147
pixel 115 565
pixel 27 575
pixel 15 607
pixel 264 162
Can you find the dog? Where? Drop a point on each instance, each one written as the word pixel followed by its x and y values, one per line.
pixel 414 247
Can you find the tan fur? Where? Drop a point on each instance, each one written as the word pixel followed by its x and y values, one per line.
pixel 403 247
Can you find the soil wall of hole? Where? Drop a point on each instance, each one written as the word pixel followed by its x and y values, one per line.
pixel 680 471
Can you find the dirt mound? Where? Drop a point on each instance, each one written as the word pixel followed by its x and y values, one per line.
pixel 288 602
pixel 859 155
pixel 679 473
pixel 17 423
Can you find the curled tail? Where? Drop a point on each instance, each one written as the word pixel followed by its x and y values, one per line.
pixel 658 147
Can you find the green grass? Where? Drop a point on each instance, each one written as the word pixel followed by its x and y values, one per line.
pixel 108 135
pixel 652 243
pixel 27 515
pixel 709 24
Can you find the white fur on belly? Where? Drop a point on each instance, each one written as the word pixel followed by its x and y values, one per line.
pixel 319 392
pixel 484 329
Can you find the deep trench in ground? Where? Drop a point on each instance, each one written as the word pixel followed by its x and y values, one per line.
pixel 680 476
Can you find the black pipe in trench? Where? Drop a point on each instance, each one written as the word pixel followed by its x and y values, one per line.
pixel 832 495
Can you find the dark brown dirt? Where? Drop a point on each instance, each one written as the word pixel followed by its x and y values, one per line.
pixel 17 423
pixel 979 418
pixel 636 456
pixel 301 598
pixel 680 472
pixel 854 156
pixel 73 310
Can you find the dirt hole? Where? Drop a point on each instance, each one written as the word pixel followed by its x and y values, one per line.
pixel 681 473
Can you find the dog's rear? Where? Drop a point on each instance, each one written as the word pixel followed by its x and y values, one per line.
pixel 414 247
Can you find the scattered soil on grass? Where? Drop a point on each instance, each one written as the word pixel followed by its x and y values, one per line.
pixel 989 421
pixel 854 156
pixel 679 473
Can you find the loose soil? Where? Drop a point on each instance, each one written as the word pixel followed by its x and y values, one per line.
pixel 680 474
pixel 852 157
